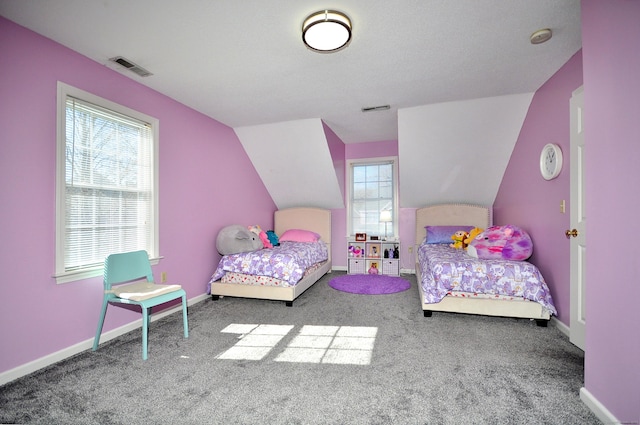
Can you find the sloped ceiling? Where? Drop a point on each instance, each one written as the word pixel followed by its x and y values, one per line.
pixel 457 151
pixel 294 163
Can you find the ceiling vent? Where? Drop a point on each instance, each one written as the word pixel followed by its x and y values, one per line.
pixel 131 66
pixel 376 108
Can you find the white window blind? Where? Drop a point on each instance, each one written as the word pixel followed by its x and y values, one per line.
pixel 109 186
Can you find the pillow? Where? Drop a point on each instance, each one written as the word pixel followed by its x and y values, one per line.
pixel 442 234
pixel 299 235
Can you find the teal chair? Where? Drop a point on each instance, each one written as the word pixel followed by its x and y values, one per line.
pixel 123 283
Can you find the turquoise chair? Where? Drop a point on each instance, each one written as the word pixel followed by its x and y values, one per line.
pixel 123 274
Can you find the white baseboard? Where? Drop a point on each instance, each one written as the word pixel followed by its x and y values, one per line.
pixel 597 408
pixel 561 326
pixel 52 358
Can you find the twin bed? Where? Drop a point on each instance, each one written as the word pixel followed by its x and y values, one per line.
pixel 281 273
pixel 450 280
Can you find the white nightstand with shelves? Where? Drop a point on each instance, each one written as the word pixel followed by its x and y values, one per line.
pixel 376 257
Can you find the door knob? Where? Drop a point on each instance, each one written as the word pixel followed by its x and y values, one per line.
pixel 570 233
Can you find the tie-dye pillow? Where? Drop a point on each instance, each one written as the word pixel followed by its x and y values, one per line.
pixel 501 243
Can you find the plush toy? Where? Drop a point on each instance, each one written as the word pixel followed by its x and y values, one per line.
pixel 273 238
pixel 503 243
pixel 355 251
pixel 373 269
pixel 262 235
pixel 458 239
pixel 236 238
pixel 472 235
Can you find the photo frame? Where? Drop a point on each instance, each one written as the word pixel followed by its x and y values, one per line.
pixel 361 237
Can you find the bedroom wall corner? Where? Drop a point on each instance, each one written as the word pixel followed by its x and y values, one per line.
pixel 525 199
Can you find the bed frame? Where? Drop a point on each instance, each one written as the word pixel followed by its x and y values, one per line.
pixel 314 219
pixel 478 216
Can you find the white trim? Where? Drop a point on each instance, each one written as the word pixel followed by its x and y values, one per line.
pixel 561 327
pixel 42 362
pixel 597 408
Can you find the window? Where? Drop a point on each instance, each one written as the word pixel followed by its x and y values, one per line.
pixel 106 188
pixel 372 190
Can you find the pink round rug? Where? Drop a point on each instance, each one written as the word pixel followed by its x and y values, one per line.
pixel 369 284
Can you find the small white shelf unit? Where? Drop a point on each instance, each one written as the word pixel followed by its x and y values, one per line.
pixel 373 257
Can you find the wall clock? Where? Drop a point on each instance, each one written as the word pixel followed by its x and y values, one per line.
pixel 550 161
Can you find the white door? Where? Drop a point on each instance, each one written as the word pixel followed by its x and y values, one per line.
pixel 578 221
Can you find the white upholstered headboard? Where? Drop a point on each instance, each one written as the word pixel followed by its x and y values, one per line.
pixel 315 219
pixel 451 215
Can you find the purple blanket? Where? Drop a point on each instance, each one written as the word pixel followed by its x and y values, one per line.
pixel 286 262
pixel 445 269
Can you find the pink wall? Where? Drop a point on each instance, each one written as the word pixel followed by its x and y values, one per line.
pixel 39 317
pixel 610 37
pixel 526 199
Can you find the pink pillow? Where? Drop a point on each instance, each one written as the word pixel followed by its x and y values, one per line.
pixel 299 235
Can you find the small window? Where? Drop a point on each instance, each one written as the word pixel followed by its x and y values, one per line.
pixel 373 197
pixel 106 189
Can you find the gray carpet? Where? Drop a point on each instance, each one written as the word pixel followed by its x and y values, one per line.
pixel 447 369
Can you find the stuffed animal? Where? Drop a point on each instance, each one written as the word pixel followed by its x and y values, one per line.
pixel 266 243
pixel 458 239
pixel 355 251
pixel 236 238
pixel 472 235
pixel 273 238
pixel 374 268
pixel 503 243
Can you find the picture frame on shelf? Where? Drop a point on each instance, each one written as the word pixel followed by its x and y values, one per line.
pixel 374 250
pixel 361 237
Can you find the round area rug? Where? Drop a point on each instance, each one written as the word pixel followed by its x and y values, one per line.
pixel 369 284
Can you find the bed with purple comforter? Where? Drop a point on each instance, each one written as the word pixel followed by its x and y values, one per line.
pixel 449 271
pixel 287 262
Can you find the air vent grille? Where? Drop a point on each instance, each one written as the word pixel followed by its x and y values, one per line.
pixel 376 108
pixel 131 66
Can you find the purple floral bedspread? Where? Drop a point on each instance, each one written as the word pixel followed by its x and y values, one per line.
pixel 446 269
pixel 286 262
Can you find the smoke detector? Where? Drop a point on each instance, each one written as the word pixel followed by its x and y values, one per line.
pixel 541 36
pixel 131 66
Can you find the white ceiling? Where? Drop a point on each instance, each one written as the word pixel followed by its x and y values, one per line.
pixel 243 62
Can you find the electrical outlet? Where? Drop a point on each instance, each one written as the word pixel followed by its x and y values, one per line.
pixel 410 250
pixel 562 206
pixel 163 277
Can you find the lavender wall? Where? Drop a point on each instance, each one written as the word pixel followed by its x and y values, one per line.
pixel 610 37
pixel 526 199
pixel 39 317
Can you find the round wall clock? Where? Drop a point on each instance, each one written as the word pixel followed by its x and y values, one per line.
pixel 550 161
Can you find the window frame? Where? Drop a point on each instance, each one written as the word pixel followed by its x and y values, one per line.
pixel 63 91
pixel 349 190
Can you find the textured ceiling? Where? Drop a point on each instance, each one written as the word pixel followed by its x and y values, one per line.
pixel 243 62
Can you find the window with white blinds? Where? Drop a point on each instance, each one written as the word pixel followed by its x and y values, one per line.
pixel 373 193
pixel 106 189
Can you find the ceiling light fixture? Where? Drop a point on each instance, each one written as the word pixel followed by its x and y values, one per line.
pixel 326 31
pixel 541 36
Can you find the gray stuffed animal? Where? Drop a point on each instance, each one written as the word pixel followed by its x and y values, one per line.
pixel 236 238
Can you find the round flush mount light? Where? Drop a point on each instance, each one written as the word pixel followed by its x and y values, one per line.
pixel 326 31
pixel 541 36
